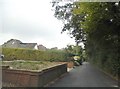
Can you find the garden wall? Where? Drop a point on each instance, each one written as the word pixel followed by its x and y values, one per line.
pixel 22 78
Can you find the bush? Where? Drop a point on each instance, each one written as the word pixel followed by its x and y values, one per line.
pixel 34 55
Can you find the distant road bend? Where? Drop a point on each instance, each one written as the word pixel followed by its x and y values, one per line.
pixel 85 76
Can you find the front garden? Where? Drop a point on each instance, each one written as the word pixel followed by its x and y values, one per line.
pixel 29 65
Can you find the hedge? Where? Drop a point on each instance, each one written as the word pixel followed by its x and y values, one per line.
pixel 33 55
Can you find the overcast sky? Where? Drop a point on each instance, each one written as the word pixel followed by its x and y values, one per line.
pixel 31 21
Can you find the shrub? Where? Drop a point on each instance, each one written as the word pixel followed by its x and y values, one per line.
pixel 34 55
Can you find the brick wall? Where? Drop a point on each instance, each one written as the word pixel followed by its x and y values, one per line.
pixel 23 78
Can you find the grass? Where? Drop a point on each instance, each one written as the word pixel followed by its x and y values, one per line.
pixel 29 65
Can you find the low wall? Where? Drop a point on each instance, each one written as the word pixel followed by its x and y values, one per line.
pixel 22 78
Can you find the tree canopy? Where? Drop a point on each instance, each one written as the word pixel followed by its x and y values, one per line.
pixel 97 25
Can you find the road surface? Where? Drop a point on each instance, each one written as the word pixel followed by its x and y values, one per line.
pixel 85 76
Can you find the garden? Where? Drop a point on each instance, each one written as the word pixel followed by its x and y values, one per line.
pixel 29 65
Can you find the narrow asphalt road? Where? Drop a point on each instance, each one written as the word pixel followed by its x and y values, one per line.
pixel 85 76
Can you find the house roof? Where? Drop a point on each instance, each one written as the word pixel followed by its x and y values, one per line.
pixel 28 45
pixel 18 44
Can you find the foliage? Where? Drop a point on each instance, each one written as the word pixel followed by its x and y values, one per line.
pixel 71 21
pixel 96 24
pixel 74 50
pixel 35 55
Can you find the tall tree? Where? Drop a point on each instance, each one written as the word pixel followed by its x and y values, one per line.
pixel 71 21
pixel 96 24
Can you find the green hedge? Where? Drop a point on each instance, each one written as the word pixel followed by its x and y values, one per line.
pixel 34 55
